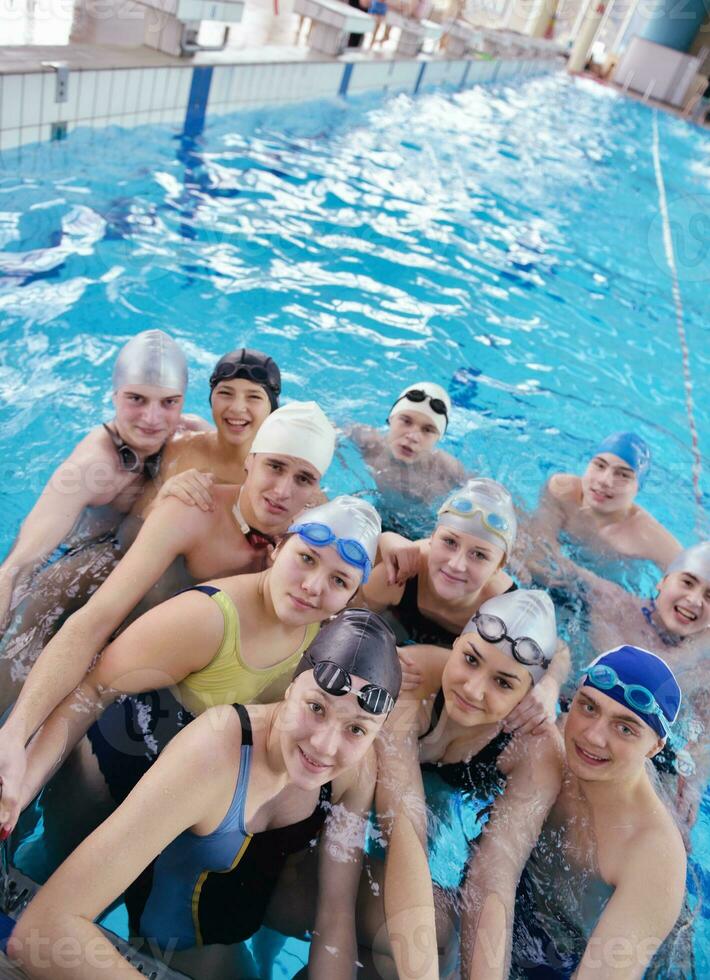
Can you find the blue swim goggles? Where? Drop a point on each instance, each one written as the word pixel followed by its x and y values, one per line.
pixel 464 507
pixel 321 536
pixel 636 696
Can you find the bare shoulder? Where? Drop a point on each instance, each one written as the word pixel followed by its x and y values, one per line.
pixel 451 466
pixel 212 739
pixel 365 437
pixel 654 853
pixel 535 758
pixel 96 445
pixel 565 488
pixel 359 780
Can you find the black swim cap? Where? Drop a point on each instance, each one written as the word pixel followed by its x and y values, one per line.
pixel 252 365
pixel 361 643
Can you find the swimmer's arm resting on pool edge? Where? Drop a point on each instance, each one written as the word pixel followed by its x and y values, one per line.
pixel 533 767
pixel 161 648
pixel 166 533
pixel 184 788
pixel 647 899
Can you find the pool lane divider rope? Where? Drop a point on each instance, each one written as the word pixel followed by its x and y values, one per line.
pixel 680 323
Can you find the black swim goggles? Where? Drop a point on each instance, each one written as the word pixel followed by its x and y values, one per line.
pixel 250 366
pixel 335 680
pixel 418 395
pixel 129 459
pixel 526 651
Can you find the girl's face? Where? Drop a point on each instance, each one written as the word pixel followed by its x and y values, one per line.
pixel 460 563
pixel 608 484
pixel 683 603
pixel 147 415
pixel 410 435
pixel 481 683
pixel 310 584
pixel 239 407
pixel 323 735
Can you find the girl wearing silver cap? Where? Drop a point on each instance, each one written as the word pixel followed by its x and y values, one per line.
pixel 448 734
pixel 86 498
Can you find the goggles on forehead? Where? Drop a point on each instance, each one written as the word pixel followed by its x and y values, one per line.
pixel 417 395
pixel 251 372
pixel 334 679
pixel 350 550
pixel 636 696
pixel 526 651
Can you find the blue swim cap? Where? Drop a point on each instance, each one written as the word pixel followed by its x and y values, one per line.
pixel 632 449
pixel 639 673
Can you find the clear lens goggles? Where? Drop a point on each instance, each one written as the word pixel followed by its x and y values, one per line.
pixel 525 650
pixel 335 680
pixel 321 536
pixel 464 507
pixel 636 696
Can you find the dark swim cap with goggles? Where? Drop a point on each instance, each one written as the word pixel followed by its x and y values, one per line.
pixel 249 365
pixel 357 643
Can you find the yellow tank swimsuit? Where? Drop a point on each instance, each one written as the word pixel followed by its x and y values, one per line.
pixel 227 679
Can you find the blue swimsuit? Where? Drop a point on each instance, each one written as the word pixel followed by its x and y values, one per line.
pixel 216 888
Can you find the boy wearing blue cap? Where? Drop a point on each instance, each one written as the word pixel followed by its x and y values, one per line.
pixel 599 507
pixel 605 881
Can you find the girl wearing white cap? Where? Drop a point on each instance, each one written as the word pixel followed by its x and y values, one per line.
pixel 234 639
pixel 177 547
pixel 446 745
pixel 405 462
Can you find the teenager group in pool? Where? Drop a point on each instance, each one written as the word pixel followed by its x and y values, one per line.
pixel 302 680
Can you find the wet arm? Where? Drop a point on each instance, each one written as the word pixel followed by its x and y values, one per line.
pixel 639 915
pixel 333 953
pixel 540 703
pixel 488 894
pixel 401 809
pixel 182 788
pixel 177 638
pixel 377 594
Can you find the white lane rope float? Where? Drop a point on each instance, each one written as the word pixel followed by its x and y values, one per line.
pixel 680 324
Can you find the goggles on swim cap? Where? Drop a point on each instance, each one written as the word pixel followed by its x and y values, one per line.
pixel 466 508
pixel 525 650
pixel 321 536
pixel 334 679
pixel 418 395
pixel 130 461
pixel 638 697
pixel 250 365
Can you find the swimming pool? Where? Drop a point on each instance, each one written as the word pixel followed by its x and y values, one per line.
pixel 503 241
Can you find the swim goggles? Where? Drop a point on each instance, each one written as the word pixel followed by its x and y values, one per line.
pixel 266 374
pixel 417 395
pixel 256 538
pixel 334 679
pixel 464 507
pixel 350 550
pixel 636 696
pixel 129 459
pixel 525 650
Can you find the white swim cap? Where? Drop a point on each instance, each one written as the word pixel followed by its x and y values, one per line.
pixel 528 616
pixel 428 398
pixel 298 429
pixel 483 508
pixel 347 517
pixel 151 358
pixel 695 560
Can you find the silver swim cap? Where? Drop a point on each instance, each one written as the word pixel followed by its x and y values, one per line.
pixel 527 618
pixel 695 560
pixel 347 517
pixel 151 358
pixel 483 508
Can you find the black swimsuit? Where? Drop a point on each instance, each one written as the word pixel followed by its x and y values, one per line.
pixel 419 628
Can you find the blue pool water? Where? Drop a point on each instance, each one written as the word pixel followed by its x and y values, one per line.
pixel 503 241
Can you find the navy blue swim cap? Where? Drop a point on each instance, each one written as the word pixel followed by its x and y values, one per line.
pixel 642 670
pixel 632 449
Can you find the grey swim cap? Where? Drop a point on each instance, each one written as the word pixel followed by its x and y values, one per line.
pixel 528 614
pixel 695 560
pixel 483 508
pixel 151 358
pixel 347 517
